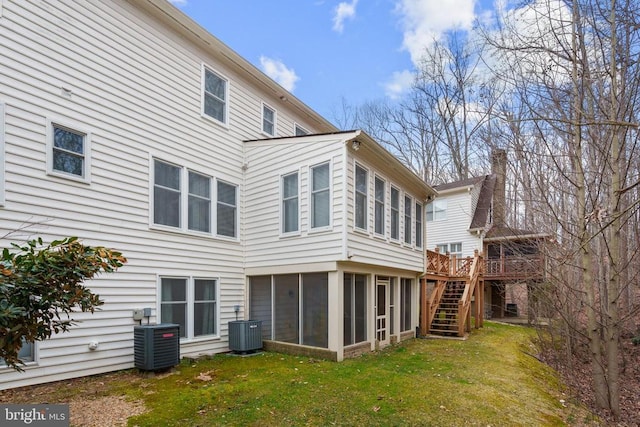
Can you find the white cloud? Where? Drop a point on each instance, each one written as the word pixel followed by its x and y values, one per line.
pixel 342 12
pixel 178 3
pixel 279 72
pixel 399 84
pixel 423 21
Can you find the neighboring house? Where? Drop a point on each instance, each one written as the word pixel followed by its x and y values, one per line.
pixel 469 215
pixel 126 124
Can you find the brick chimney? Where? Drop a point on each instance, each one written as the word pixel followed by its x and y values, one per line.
pixel 499 170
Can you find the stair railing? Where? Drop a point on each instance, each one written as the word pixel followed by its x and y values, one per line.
pixel 434 300
pixel 464 304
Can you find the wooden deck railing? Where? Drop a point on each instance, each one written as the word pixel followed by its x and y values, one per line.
pixel 438 263
pixel 464 305
pixel 525 266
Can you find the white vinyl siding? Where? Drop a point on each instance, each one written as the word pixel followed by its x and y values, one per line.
pixel 454 229
pixel 214 95
pixel 2 155
pixel 268 120
pixel 290 203
pixel 379 206
pixel 320 196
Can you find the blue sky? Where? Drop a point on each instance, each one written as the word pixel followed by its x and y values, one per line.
pixel 326 50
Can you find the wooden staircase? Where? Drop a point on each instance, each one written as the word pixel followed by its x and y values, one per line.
pixel 448 310
pixel 446 315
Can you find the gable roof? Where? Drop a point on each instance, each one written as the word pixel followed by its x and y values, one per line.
pixel 464 183
pixel 483 207
pixel 368 148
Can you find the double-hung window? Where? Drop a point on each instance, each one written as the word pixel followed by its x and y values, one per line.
pixel 268 120
pixel 214 96
pixel 227 209
pixel 182 199
pixel 362 180
pixel 437 210
pixel 379 206
pixel 320 196
pixel 395 213
pixel 408 222
pixel 418 227
pixel 190 303
pixel 167 194
pixel 199 202
pixel 290 203
pixel 68 152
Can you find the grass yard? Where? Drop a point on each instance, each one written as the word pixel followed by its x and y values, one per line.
pixel 487 380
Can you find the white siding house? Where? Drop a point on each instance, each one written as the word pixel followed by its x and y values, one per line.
pixel 450 215
pixel 128 125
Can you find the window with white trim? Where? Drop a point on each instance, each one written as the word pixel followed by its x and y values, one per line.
pixel 166 194
pixel 268 120
pixel 68 151
pixel 436 210
pixel 361 197
pixel 227 212
pixel 182 199
pixel 379 192
pixel 408 221
pixel 418 225
pixel 395 213
pixel 290 203
pixel 456 249
pixel 320 196
pixel 191 303
pixel 214 95
pixel 299 130
pixel 199 202
pixel 26 354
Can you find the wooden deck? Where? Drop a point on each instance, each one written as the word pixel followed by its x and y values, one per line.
pixel 514 267
pixel 457 282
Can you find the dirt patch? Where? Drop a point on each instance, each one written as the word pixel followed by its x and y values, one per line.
pixel 92 400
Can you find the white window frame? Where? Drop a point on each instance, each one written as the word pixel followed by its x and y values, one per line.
pixel 419 224
pixel 355 198
pixel 397 213
pixel 311 199
pixel 227 91
pixel 282 201
pixel 236 233
pixel 86 145
pixel 437 208
pixel 384 206
pixel 456 253
pixel 408 220
pixel 190 305
pixel 2 147
pixel 303 130
pixel 34 356
pixel 266 107
pixel 209 199
pixel 183 226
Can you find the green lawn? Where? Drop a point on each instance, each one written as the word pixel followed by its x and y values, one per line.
pixel 487 380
